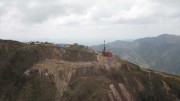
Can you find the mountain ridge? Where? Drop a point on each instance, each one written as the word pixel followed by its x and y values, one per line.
pixel 47 72
pixel 155 52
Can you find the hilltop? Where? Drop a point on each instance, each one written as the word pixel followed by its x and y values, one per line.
pixel 47 72
pixel 159 53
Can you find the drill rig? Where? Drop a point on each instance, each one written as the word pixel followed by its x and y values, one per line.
pixel 106 53
pixel 104 50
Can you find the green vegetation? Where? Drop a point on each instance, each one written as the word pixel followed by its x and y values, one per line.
pixel 174 84
pixel 86 91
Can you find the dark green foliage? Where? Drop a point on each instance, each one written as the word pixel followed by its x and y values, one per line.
pixel 86 91
pixel 174 85
pixel 32 88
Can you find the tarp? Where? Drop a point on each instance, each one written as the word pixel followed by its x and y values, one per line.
pixel 109 54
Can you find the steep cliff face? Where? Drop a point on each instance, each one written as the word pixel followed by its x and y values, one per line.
pixel 46 72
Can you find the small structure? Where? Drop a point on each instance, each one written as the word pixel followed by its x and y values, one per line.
pixel 62 45
pixel 68 45
pixel 109 55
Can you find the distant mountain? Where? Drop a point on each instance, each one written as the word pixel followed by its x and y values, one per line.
pixel 160 53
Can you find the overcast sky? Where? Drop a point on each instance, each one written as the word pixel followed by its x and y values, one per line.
pixel 87 21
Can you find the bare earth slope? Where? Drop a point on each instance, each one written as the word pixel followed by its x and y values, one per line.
pixel 46 72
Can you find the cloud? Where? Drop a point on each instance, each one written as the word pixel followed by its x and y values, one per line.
pixel 87 17
pixel 92 11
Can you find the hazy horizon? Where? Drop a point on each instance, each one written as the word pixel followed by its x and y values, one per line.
pixel 87 22
pixel 90 42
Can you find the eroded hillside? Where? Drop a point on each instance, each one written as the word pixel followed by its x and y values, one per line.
pixel 46 72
